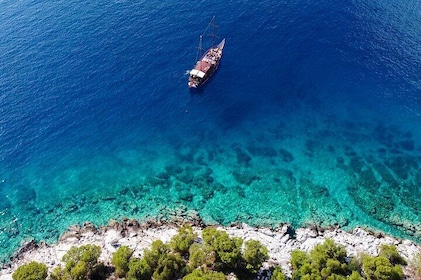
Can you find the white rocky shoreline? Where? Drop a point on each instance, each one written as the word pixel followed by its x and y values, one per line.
pixel 138 236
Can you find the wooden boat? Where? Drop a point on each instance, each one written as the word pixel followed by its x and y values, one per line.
pixel 208 62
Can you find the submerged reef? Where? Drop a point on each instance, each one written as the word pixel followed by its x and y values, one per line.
pixel 371 177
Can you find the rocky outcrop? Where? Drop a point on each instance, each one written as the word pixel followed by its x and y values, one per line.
pixel 138 236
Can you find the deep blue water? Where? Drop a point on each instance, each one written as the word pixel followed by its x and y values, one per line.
pixel 313 116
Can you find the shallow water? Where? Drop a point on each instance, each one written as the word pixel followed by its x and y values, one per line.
pixel 313 116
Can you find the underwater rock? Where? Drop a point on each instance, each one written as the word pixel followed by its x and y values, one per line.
pixel 123 191
pixel 285 155
pixel 186 176
pixel 407 145
pixel 356 164
pixel 184 192
pixel 207 192
pixel 410 195
pixel 245 178
pixel 383 172
pixel 262 151
pixel 211 156
pixel 25 195
pixel 70 208
pixel 242 157
pixel 173 169
pixel 162 176
pixel 239 191
pixel 108 198
pixel 202 180
pixel 340 163
pixel 11 230
pixel 311 146
pixel 367 179
pixel 401 166
pixel 285 177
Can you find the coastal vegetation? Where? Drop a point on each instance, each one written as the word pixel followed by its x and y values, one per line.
pixel 31 271
pixel 81 263
pixel 215 255
pixel 330 261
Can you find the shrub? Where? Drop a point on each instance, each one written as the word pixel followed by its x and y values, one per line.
pixel 170 266
pixel 120 259
pixel 183 239
pixel 79 271
pixel 325 261
pixel 356 263
pixel 88 254
pixel 201 255
pixel 298 259
pixel 60 274
pixel 380 268
pixel 228 250
pixel 391 253
pixel 139 269
pixel 153 255
pixel 355 276
pixel 328 250
pixel 31 271
pixel 278 274
pixel 254 255
pixel 200 274
pixel 79 262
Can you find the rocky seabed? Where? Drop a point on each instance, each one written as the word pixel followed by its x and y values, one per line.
pixel 138 236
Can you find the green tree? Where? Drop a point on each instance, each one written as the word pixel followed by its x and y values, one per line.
pixel 80 262
pixel 204 274
pixel 355 276
pixel 31 271
pixel 79 271
pixel 60 274
pixel 152 256
pixel 391 253
pixel 254 255
pixel 228 250
pixel 298 259
pixel 170 266
pixel 325 261
pixel 139 269
pixel 278 274
pixel 182 241
pixel 328 250
pixel 201 255
pixel 120 259
pixel 380 268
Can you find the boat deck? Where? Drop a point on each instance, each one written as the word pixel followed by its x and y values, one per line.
pixel 211 57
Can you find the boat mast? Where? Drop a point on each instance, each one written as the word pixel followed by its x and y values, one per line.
pixel 199 49
pixel 213 31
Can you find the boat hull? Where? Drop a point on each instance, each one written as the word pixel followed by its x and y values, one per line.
pixel 206 66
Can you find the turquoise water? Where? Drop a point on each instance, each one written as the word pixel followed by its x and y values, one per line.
pixel 313 116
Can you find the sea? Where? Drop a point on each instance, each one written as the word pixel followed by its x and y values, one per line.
pixel 313 117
